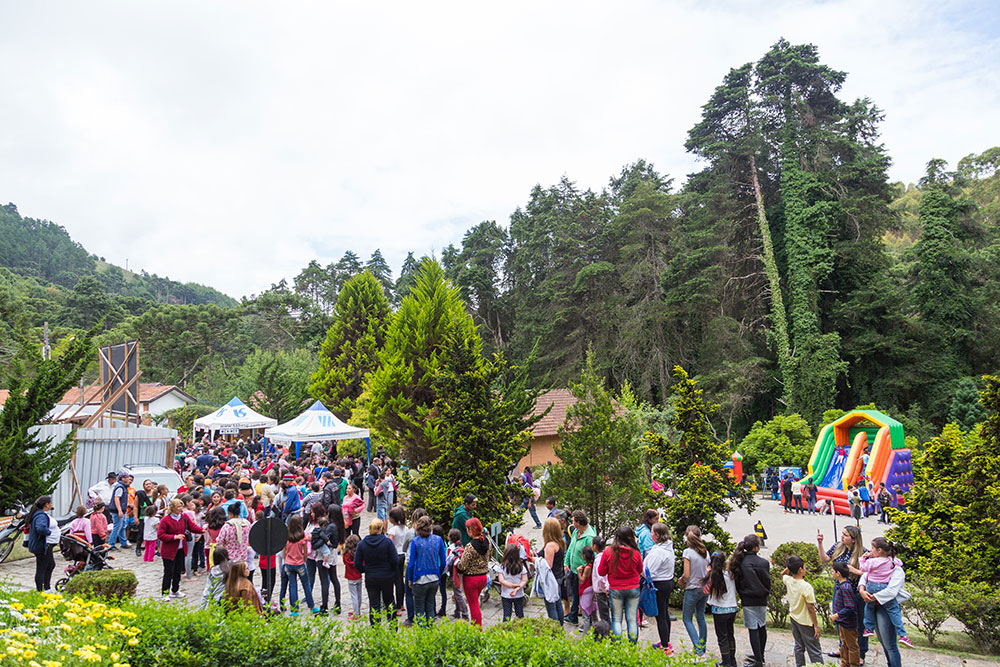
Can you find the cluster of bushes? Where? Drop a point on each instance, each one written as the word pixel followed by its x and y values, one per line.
pixel 43 629
pixel 107 585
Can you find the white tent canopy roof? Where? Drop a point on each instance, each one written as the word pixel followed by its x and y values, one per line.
pixel 234 414
pixel 316 423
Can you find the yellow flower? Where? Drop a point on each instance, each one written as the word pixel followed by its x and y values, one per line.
pixel 133 641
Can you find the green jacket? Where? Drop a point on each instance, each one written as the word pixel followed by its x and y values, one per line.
pixel 461 516
pixel 574 554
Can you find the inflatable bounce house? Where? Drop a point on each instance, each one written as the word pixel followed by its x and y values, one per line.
pixel 838 459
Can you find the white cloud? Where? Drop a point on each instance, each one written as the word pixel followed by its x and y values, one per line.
pixel 231 142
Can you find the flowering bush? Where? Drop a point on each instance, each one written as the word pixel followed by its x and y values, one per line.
pixel 48 630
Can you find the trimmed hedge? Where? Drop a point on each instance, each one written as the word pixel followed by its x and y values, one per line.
pixel 104 584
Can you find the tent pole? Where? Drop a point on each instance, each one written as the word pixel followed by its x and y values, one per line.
pixel 368 447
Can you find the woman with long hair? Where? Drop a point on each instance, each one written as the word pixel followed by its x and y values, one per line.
pixel 621 563
pixel 847 550
pixel 722 598
pixel 295 565
pixel 752 576
pixel 659 560
pixel 474 565
pixel 240 592
pixel 43 536
pixel 554 553
pixel 693 581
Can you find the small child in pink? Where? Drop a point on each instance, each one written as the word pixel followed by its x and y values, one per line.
pixel 879 564
pixel 149 527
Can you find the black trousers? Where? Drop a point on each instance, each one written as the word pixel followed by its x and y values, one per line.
pixel 172 570
pixel 355 527
pixel 663 591
pixel 380 600
pixel 267 578
pixel 726 636
pixel 326 576
pixel 398 584
pixel 45 563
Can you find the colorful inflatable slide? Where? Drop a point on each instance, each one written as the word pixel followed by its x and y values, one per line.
pixel 837 460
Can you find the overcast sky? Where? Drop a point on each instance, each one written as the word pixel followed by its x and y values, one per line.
pixel 229 143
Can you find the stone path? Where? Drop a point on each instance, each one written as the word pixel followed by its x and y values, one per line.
pixel 780 528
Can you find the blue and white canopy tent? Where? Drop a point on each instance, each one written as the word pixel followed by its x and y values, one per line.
pixel 314 425
pixel 231 418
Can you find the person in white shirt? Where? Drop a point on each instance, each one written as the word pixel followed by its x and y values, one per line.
pixel 660 561
pixel 722 598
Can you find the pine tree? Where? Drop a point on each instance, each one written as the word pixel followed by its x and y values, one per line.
pixel 353 344
pixel 429 323
pixel 966 410
pixel 483 417
pixel 379 268
pixel 693 465
pixel 601 467
pixel 407 275
pixel 30 467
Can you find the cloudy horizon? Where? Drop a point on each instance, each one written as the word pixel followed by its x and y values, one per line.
pixel 230 143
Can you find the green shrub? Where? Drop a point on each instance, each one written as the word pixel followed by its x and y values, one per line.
pixel 777 608
pixel 807 552
pixel 927 609
pixel 536 627
pixel 823 588
pixel 977 606
pixel 105 584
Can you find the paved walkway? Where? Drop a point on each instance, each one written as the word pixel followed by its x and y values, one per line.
pixel 780 527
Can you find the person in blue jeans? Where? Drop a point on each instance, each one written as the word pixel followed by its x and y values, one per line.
pixel 621 563
pixel 884 627
pixel 693 581
pixel 119 506
pixel 295 565
pixel 528 503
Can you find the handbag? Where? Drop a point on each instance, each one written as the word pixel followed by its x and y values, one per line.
pixel 647 595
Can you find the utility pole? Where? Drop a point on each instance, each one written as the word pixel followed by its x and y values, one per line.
pixel 46 348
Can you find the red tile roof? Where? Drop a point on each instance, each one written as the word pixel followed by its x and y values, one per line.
pixel 560 400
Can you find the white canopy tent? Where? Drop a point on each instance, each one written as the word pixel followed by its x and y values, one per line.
pixel 316 424
pixel 232 417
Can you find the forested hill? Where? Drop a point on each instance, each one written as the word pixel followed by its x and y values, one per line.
pixel 44 251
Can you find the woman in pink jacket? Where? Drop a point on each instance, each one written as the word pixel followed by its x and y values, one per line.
pixel 173 546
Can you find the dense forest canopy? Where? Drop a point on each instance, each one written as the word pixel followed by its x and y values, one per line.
pixel 788 274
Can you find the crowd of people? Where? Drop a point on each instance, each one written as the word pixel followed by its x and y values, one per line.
pixel 405 561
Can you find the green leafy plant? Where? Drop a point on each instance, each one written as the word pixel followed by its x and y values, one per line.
pixel 977 606
pixel 927 608
pixel 105 584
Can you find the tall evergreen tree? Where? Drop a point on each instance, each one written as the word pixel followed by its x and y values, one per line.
pixel 406 279
pixel 429 323
pixel 378 267
pixel 31 467
pixel 598 442
pixel 353 344
pixel 482 416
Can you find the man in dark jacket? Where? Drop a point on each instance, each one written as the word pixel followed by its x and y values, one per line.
pixel 786 493
pixel 377 559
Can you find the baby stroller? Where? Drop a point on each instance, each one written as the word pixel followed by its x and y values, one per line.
pixel 492 576
pixel 82 557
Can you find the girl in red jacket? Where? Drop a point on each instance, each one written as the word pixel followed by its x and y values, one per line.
pixel 621 563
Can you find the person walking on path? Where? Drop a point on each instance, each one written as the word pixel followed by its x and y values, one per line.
pixel 528 482
pixel 376 558
pixel 693 581
pixel 424 570
pixel 622 565
pixel 752 577
pixel 463 514
pixel 173 546
pixel 43 536
pixel 581 534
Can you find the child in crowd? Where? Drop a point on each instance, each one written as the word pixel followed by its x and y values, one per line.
pixel 81 525
pixel 149 526
pixel 845 616
pixel 585 573
pixel 353 577
pixel 878 564
pixel 802 612
pixel 513 577
pixel 443 611
pixel 453 554
pixel 98 524
pixel 321 541
pixel 722 599
pixel 599 583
